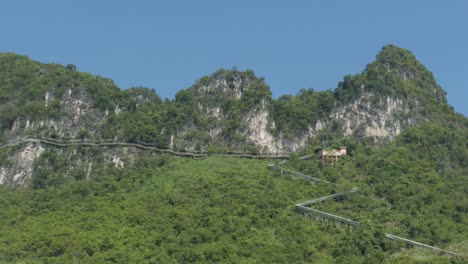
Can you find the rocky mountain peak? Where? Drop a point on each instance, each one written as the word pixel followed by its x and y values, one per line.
pixel 395 60
pixel 229 110
pixel 228 83
pixel 395 73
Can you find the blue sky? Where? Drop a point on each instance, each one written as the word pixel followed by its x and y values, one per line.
pixel 168 45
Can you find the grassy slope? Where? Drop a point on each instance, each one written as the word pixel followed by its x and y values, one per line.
pixel 209 210
pixel 187 211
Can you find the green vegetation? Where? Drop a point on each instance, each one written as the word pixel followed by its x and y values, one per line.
pixel 185 211
pixel 297 113
pixel 165 209
pixel 414 187
pixel 175 210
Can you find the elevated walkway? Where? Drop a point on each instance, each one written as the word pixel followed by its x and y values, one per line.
pixel 307 210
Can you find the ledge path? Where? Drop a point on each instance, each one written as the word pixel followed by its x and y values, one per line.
pixel 140 145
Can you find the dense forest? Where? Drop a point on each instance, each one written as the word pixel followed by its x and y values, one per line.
pixel 162 208
pixel 169 209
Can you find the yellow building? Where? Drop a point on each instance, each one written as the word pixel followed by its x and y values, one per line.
pixel 330 156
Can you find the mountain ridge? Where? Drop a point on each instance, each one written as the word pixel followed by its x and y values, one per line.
pixel 90 173
pixel 227 111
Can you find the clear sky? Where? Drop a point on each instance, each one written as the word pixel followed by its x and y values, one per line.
pixel 168 45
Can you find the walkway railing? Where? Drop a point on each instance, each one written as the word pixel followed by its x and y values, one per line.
pixel 140 145
pixel 306 210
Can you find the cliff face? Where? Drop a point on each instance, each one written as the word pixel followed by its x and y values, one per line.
pixel 77 113
pixel 20 167
pixel 227 111
pixel 392 93
pixel 358 119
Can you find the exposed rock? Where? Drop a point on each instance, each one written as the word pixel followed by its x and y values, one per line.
pixel 118 163
pixel 362 118
pixel 258 132
pixel 219 85
pixel 47 99
pixel 229 110
pixel 77 113
pixel 21 167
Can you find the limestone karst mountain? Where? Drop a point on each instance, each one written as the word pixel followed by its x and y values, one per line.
pixel 227 111
pixel 90 173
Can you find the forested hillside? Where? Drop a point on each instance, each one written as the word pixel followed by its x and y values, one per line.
pixel 168 209
pixel 90 173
